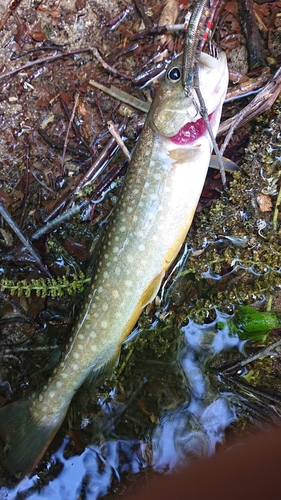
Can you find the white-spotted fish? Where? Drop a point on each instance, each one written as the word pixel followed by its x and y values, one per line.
pixel 142 239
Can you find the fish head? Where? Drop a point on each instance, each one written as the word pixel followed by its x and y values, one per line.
pixel 175 114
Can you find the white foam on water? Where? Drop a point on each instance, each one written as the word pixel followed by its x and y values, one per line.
pixel 196 428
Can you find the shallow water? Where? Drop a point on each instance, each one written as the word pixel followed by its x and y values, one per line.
pixel 189 430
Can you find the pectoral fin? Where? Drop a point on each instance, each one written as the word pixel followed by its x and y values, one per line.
pixel 229 165
pixel 104 371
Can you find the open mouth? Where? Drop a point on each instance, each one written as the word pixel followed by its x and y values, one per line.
pixel 192 131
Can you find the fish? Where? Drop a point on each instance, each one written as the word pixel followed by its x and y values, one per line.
pixel 142 239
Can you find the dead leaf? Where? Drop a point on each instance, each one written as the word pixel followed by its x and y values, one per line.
pixel 264 202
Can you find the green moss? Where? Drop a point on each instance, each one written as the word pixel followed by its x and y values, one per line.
pixel 236 245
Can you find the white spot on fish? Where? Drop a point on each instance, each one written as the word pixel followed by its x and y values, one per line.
pixel 116 238
pixel 76 355
pixel 157 176
pixel 59 384
pixel 75 367
pixel 140 234
pixel 117 270
pixel 142 247
pixel 115 250
pixel 104 324
pixel 135 218
pixel 64 375
pixel 115 259
pixel 108 264
pixel 130 258
pixel 115 294
pixel 100 289
pixel 81 337
pixel 128 283
pixel 93 335
pixel 40 398
pixel 123 228
pixel 104 307
pixel 135 191
pixel 51 395
pixel 129 210
pixel 80 347
pixel 93 348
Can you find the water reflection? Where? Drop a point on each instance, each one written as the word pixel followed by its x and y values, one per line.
pixel 186 431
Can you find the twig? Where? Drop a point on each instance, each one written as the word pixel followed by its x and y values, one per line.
pixel 59 220
pixel 80 139
pixel 60 144
pixel 254 43
pixel 261 102
pixel 24 240
pixel 76 100
pixel 11 9
pixel 43 184
pixel 144 16
pixel 99 164
pixel 122 96
pixel 254 390
pixel 261 354
pixel 276 211
pixel 114 132
pixel 45 60
pixel 109 68
pixel 251 86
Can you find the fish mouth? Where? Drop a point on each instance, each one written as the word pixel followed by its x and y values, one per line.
pixel 192 131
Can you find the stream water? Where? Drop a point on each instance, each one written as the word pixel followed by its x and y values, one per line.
pixel 192 429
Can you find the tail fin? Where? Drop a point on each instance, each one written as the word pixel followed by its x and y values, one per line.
pixel 26 440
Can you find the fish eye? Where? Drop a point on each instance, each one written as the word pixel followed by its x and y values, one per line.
pixel 174 74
